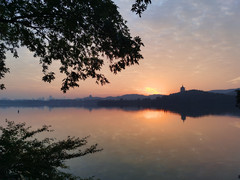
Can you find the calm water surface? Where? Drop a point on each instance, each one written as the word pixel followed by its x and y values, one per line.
pixel 144 144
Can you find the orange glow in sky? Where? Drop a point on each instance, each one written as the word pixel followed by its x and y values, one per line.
pixel 190 43
pixel 150 90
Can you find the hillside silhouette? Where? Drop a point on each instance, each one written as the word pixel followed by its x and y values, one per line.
pixel 193 103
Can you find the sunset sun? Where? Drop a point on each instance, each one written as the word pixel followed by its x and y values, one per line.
pixel 150 90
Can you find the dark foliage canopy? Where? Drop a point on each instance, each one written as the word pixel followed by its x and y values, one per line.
pixel 22 154
pixel 140 5
pixel 78 33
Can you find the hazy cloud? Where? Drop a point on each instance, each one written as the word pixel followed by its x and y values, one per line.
pixel 194 42
pixel 235 80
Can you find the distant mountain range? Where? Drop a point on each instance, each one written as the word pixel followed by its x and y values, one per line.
pixel 89 101
pixel 140 96
pixel 124 97
pixel 134 96
pixel 192 103
pixel 189 103
pixel 225 91
pixel 187 99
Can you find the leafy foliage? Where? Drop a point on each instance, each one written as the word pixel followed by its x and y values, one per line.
pixel 140 5
pixel 78 33
pixel 22 154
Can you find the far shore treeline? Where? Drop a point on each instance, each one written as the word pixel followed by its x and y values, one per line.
pixel 189 103
pixel 187 98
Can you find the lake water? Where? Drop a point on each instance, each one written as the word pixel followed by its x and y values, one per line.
pixel 144 144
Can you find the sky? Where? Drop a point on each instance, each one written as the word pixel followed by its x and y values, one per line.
pixel 187 42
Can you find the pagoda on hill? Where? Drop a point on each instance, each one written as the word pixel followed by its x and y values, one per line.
pixel 182 89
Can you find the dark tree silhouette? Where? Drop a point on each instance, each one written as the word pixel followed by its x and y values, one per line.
pixel 238 98
pixel 23 155
pixel 140 5
pixel 78 33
